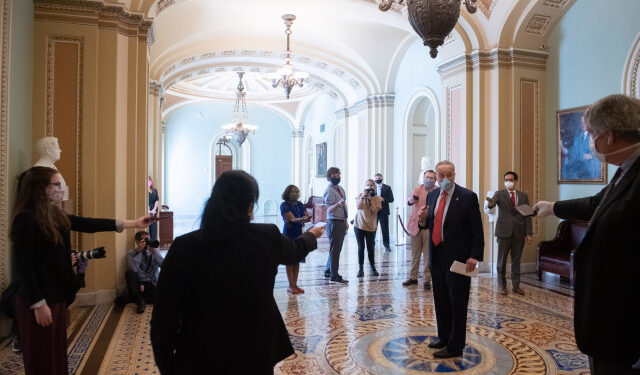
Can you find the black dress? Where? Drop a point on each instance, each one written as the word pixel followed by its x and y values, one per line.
pixel 153 228
pixel 213 304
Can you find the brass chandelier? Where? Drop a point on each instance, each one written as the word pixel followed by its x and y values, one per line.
pixel 285 76
pixel 238 129
pixel 432 20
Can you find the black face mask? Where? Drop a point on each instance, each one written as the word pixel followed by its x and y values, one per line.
pixel 379 181
pixel 335 181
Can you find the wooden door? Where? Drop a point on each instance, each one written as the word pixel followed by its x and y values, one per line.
pixel 223 163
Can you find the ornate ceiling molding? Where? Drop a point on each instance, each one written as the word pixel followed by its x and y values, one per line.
pixel 371 102
pixel 497 58
pixel 163 4
pixel 94 13
pixel 487 7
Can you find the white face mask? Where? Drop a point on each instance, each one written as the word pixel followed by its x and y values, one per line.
pixel 510 185
pixel 55 193
pixel 603 157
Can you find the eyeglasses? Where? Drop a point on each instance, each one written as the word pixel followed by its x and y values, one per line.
pixel 510 179
pixel 58 184
pixel 143 240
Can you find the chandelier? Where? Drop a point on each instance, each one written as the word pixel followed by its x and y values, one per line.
pixel 433 20
pixel 285 76
pixel 238 129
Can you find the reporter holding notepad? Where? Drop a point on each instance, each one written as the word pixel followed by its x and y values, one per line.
pixel 452 215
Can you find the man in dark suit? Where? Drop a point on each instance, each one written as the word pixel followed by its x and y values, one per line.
pixel 512 229
pixel 386 193
pixel 452 215
pixel 607 285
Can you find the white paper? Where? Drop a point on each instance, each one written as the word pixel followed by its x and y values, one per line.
pixel 320 224
pixel 461 268
pixel 491 193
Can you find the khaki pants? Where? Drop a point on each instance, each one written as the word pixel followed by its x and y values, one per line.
pixel 420 246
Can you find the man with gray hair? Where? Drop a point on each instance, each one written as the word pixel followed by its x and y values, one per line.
pixel 607 283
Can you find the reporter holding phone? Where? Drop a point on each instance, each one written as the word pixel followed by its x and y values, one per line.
pixel 420 239
pixel 215 290
pixel 47 284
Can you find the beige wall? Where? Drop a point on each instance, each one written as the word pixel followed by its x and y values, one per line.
pixel 90 74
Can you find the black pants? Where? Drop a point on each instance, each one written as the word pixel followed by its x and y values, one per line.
pixel 153 231
pixel 383 219
pixel 134 283
pixel 369 237
pixel 451 297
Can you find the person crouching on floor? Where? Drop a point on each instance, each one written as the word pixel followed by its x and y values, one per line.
pixel 142 274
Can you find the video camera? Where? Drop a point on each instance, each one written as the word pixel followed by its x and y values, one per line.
pixel 96 253
pixel 153 243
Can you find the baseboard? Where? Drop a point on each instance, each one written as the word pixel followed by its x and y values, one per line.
pixel 524 267
pixel 96 298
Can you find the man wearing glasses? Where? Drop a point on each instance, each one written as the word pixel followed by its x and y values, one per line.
pixel 142 276
pixel 512 228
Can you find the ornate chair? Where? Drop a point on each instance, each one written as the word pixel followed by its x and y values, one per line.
pixel 557 256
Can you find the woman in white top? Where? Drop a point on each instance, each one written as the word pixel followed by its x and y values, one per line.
pixel 366 221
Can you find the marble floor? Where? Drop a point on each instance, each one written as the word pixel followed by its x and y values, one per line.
pixel 374 325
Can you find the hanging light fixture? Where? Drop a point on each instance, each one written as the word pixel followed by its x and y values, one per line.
pixel 239 130
pixel 433 20
pixel 285 76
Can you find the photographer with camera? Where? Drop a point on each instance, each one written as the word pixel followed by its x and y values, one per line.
pixel 142 276
pixel 47 283
pixel 365 225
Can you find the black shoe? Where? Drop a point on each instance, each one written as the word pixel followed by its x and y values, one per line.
pixel 387 248
pixel 409 282
pixel 140 306
pixel 374 271
pixel 447 353
pixel 360 273
pixel 427 285
pixel 437 344
pixel 339 279
pixel 327 273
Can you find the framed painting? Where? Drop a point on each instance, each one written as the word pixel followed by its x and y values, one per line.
pixel 321 159
pixel 576 162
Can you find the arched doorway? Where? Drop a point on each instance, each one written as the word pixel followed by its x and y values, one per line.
pixel 227 155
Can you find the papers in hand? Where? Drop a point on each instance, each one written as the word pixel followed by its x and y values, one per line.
pixel 490 194
pixel 525 210
pixel 461 268
pixel 320 224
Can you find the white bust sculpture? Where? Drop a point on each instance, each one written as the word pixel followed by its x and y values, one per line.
pixel 49 152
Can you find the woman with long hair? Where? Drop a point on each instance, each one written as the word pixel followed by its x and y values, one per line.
pixel 215 293
pixel 154 203
pixel 47 283
pixel 294 215
pixel 366 223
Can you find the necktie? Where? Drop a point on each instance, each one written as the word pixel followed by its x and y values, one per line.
pixel 437 225
pixel 513 199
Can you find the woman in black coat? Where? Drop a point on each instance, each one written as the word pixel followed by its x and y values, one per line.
pixel 214 311
pixel 47 283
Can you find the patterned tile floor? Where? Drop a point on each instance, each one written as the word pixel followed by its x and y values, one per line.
pixel 374 325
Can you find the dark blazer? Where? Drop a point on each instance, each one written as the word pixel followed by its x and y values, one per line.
pixel 607 286
pixel 44 270
pixel 463 236
pixel 511 222
pixel 387 194
pixel 213 303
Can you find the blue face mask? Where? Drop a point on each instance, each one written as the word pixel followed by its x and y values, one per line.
pixel 428 183
pixel 335 181
pixel 446 184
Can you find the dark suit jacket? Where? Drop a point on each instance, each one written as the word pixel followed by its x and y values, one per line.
pixel 43 269
pixel 463 236
pixel 607 286
pixel 212 303
pixel 387 194
pixel 511 222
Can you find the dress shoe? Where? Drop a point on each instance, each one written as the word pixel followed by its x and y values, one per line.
pixel 427 285
pixel 374 271
pixel 140 306
pixel 327 273
pixel 339 279
pixel 387 248
pixel 503 291
pixel 437 344
pixel 447 353
pixel 518 290
pixel 409 282
pixel 360 273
